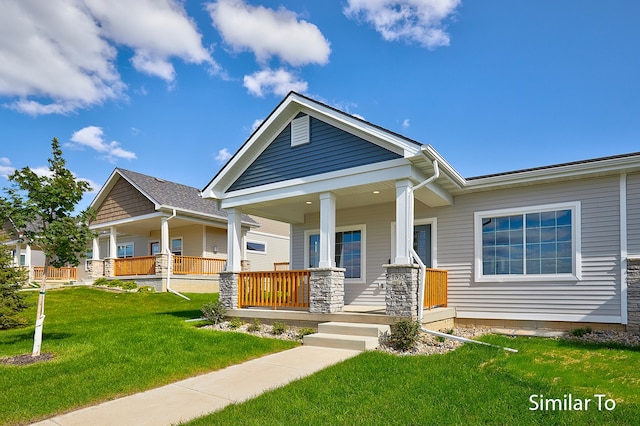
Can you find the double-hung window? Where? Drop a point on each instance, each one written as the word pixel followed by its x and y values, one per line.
pixel 535 243
pixel 349 251
pixel 125 250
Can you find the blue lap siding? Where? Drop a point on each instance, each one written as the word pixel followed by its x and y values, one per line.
pixel 330 149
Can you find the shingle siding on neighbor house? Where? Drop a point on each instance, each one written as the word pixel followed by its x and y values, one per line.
pixel 124 201
pixel 633 214
pixel 596 295
pixel 330 149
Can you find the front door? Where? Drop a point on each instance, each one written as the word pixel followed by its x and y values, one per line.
pixel 422 242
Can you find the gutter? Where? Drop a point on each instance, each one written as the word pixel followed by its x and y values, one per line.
pixel 170 265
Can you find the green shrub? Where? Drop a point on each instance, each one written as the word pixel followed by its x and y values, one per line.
pixel 146 289
pixel 278 328
pixel 235 323
pixel 404 335
pixel 115 283
pixel 101 281
pixel 255 325
pixel 579 332
pixel 305 331
pixel 214 311
pixel 129 285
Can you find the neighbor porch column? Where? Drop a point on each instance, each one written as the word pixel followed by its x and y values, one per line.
pixel 404 222
pixel 234 240
pixel 95 249
pixel 96 265
pixel 327 230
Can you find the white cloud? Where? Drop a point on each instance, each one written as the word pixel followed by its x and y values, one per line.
pixel 406 123
pixel 279 82
pixel 418 21
pixel 5 167
pixel 256 124
pixel 268 33
pixel 93 137
pixel 223 155
pixel 57 57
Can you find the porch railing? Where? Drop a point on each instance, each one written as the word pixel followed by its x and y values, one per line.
pixel 142 265
pixel 183 265
pixel 55 274
pixel 274 289
pixel 435 288
pixel 280 266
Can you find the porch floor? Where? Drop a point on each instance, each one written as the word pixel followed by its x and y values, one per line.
pixel 351 313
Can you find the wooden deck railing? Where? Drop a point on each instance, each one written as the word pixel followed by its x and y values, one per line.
pixel 280 266
pixel 142 265
pixel 183 265
pixel 435 288
pixel 55 274
pixel 274 289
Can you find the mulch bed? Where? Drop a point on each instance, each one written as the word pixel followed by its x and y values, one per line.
pixel 25 359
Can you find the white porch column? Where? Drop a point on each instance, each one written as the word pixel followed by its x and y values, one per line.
pixel 327 230
pixel 404 222
pixel 27 257
pixel 164 236
pixel 95 252
pixel 16 255
pixel 113 245
pixel 234 240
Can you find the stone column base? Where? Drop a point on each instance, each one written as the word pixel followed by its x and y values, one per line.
pixel 402 290
pixel 229 289
pixel 326 290
pixel 96 268
pixel 109 267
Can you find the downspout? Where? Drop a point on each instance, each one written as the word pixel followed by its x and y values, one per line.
pixel 465 340
pixel 170 265
pixel 423 267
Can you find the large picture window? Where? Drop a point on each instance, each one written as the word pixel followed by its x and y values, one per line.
pixel 349 251
pixel 536 242
pixel 125 250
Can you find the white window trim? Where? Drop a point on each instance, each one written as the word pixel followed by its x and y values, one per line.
pixel 133 249
pixel 576 239
pixel 363 247
pixel 159 247
pixel 248 240
pixel 433 221
pixel 171 240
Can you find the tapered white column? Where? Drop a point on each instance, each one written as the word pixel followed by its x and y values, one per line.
pixel 327 230
pixel 404 222
pixel 95 252
pixel 234 240
pixel 113 246
pixel 164 236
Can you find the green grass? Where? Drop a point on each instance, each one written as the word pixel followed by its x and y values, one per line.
pixel 473 385
pixel 107 345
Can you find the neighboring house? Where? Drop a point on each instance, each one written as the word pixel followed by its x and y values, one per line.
pixel 145 223
pixel 552 246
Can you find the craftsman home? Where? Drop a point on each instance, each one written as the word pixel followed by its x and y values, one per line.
pixel 378 219
pixel 164 234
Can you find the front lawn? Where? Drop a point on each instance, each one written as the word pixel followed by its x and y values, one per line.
pixel 106 345
pixel 473 385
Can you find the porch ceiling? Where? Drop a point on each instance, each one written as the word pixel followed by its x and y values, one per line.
pixel 144 227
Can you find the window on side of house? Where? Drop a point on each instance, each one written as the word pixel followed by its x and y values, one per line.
pixel 349 251
pixel 257 247
pixel 176 246
pixel 125 250
pixel 538 243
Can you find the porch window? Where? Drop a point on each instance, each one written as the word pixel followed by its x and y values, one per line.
pixel 257 247
pixel 539 243
pixel 125 250
pixel 349 251
pixel 176 246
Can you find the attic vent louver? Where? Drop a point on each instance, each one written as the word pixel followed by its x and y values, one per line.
pixel 300 133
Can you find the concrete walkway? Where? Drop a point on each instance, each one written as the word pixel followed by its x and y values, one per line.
pixel 200 395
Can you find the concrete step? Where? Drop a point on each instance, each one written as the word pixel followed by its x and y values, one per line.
pixel 341 341
pixel 353 329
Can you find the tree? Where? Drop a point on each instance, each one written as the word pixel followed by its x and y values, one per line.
pixel 12 278
pixel 42 208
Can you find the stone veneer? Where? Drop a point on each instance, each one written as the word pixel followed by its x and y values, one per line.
pixel 402 290
pixel 96 268
pixel 229 289
pixel 633 294
pixel 326 290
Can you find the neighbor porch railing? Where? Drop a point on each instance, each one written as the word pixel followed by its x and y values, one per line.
pixel 55 274
pixel 183 265
pixel 274 289
pixel 141 265
pixel 435 288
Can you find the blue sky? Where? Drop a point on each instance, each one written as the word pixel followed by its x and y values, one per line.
pixel 172 88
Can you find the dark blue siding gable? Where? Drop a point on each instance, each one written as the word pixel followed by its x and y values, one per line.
pixel 330 149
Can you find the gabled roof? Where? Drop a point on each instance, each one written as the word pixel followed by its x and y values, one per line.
pixel 165 195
